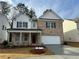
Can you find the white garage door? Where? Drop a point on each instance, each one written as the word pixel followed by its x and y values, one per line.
pixel 50 40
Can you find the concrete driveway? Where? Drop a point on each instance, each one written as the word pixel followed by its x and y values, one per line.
pixel 56 49
pixel 63 50
pixel 69 50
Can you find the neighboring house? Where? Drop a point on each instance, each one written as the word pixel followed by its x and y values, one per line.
pixel 52 27
pixel 47 29
pixel 71 33
pixel 4 24
pixel 77 22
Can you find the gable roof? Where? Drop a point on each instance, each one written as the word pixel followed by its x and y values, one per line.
pixel 19 14
pixel 49 14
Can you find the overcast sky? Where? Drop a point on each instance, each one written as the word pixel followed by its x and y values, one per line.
pixel 64 8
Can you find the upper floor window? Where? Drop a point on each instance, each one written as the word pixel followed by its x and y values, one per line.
pixel 25 24
pixel 22 24
pixel 53 25
pixel 3 27
pixel 50 24
pixel 47 24
pixel 19 24
pixel 34 24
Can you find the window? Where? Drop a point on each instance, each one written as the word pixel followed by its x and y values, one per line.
pixel 19 24
pixel 34 24
pixel 17 37
pixel 3 27
pixel 50 24
pixel 53 25
pixel 25 37
pixel 47 24
pixel 25 24
pixel 22 24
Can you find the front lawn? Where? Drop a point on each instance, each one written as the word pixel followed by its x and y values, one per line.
pixel 73 44
pixel 23 50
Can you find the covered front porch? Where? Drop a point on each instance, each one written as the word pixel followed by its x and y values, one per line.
pixel 24 37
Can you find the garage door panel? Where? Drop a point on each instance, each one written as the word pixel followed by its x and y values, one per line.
pixel 50 40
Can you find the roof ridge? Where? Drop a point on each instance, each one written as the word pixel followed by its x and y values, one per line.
pixel 53 12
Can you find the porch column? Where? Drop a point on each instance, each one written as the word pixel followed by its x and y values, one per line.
pixel 39 40
pixel 29 39
pixel 8 36
pixel 20 38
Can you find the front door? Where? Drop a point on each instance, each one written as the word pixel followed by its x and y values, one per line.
pixel 34 38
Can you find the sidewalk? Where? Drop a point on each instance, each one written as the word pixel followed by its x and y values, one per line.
pixel 12 56
pixel 28 56
pixel 51 57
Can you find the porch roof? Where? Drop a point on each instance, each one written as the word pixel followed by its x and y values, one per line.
pixel 24 30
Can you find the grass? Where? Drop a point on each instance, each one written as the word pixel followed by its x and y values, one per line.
pixel 23 50
pixel 19 52
pixel 16 50
pixel 74 44
pixel 12 56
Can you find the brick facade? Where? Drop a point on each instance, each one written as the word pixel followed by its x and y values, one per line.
pixel 58 31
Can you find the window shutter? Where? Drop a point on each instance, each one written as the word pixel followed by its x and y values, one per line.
pixel 3 27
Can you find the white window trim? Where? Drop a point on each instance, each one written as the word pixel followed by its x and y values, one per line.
pixel 50 25
pixel 18 24
pixel 22 25
pixel 35 25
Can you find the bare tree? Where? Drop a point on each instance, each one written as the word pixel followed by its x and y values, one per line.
pixel 5 7
pixel 22 8
pixel 32 13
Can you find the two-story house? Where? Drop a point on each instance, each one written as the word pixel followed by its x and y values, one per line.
pixel 47 29
pixel 4 24
pixel 77 22
pixel 71 31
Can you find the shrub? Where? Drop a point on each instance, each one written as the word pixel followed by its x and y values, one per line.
pixel 4 43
